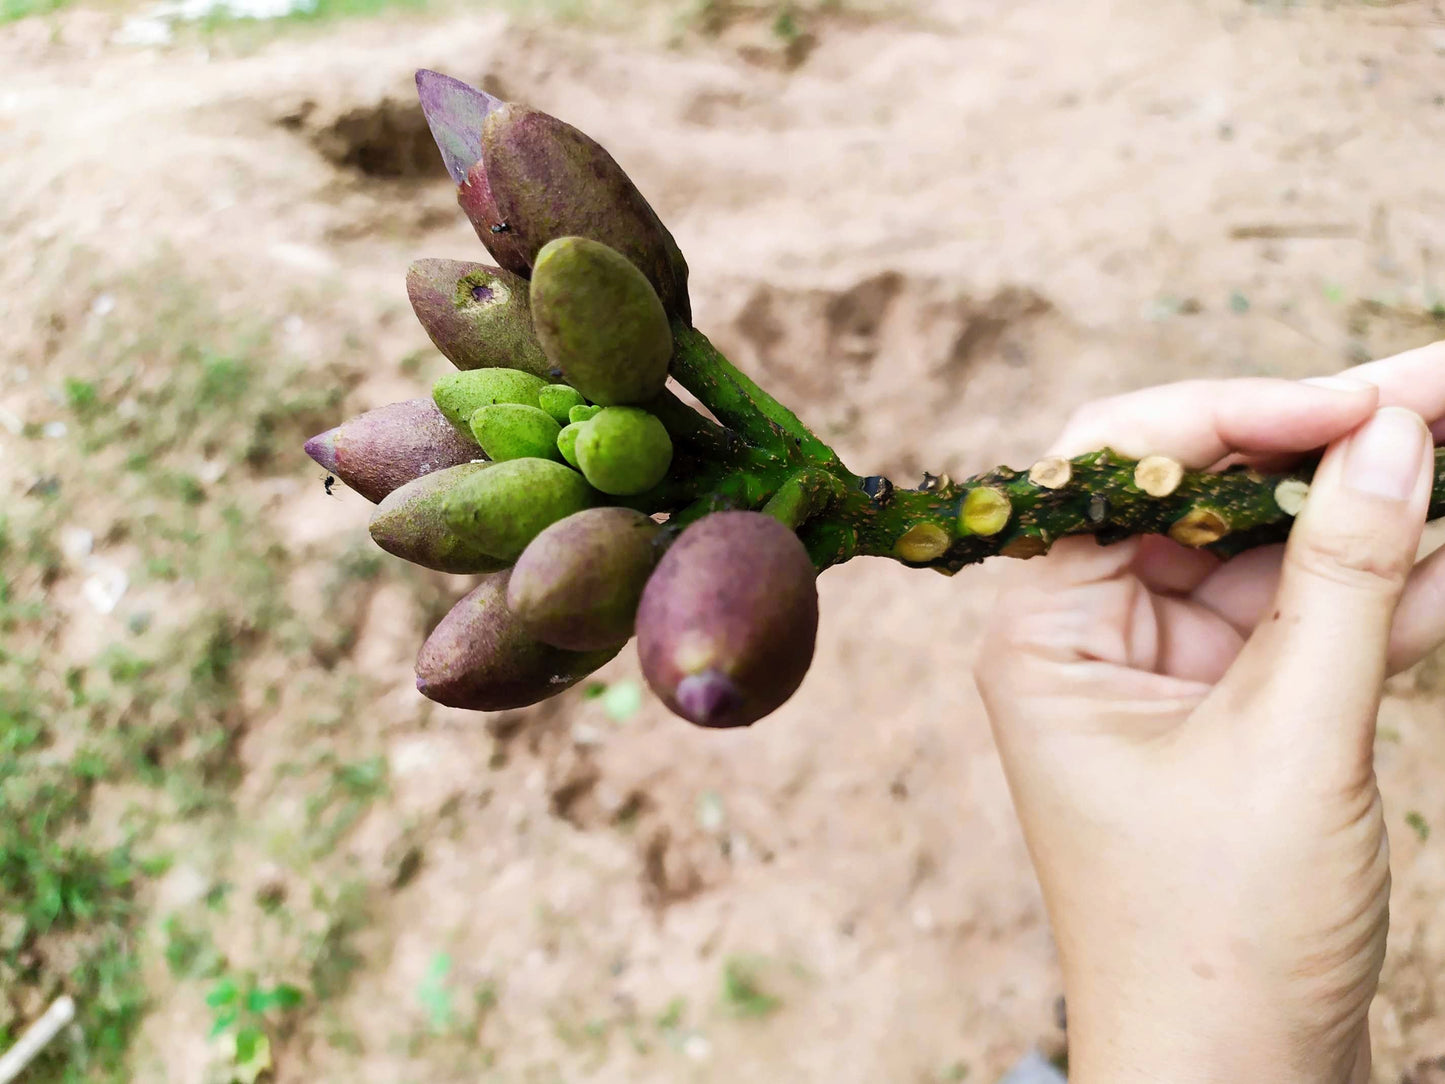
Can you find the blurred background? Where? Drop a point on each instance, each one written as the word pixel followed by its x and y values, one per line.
pixel 229 826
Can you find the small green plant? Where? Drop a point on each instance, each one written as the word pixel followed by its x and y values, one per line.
pixel 742 991
pixel 671 1017
pixel 1418 825
pixel 436 996
pixel 245 1011
pixel 345 797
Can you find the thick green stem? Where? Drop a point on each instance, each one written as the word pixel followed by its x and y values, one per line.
pixel 1101 494
pixel 738 402
pixel 687 427
pixel 764 458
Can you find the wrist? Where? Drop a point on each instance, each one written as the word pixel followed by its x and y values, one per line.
pixel 1166 1039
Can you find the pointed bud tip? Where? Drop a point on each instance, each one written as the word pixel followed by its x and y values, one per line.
pixel 708 698
pixel 322 448
pixel 455 113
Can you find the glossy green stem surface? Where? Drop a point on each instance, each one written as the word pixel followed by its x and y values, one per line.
pixel 759 455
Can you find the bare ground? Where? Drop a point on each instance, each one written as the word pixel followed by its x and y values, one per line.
pixel 934 237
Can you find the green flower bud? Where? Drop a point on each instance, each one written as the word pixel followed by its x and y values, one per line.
pixel 567 442
pixel 582 413
pixel 378 451
pixel 600 321
pixel 577 585
pixel 481 658
pixel 480 317
pixel 460 395
pixel 514 431
pixel 559 400
pixel 623 451
pixel 410 523
pixel 506 506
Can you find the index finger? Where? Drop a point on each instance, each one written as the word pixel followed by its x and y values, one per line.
pixel 1199 422
pixel 1414 380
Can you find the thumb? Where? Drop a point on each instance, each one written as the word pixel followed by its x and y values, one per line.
pixel 1319 662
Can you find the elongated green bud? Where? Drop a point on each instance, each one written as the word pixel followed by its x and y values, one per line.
pixel 460 395
pixel 559 400
pixel 567 442
pixel 514 431
pixel 623 451
pixel 600 322
pixel 582 413
pixel 506 506
pixel 411 524
pixel 480 317
pixel 578 583
pixel 481 658
pixel 726 626
pixel 378 451
pixel 546 180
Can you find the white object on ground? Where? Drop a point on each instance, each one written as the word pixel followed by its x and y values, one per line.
pixel 154 25
pixel 104 588
pixel 1033 1069
pixel 36 1038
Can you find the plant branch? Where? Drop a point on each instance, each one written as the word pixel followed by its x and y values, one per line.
pixel 763 457
pixel 738 402
pixel 1020 514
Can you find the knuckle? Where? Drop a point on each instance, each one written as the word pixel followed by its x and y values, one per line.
pixel 1361 557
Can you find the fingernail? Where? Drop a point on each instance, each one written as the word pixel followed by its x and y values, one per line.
pixel 1386 454
pixel 1339 383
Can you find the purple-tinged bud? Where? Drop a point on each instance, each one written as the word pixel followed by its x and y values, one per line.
pixel 383 449
pixel 480 317
pixel 548 180
pixel 708 698
pixel 577 583
pixel 455 112
pixel 480 657
pixel 479 204
pixel 525 178
pixel 411 524
pixel 727 623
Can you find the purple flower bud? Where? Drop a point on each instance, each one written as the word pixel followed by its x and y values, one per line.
pixel 480 656
pixel 383 449
pixel 526 178
pixel 708 698
pixel 480 317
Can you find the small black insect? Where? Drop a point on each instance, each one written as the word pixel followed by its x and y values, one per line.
pixel 501 227
pixel 328 482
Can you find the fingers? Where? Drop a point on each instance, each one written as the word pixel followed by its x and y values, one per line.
pixel 1166 567
pixel 1414 380
pixel 1242 593
pixel 1320 659
pixel 1199 422
pixel 1420 618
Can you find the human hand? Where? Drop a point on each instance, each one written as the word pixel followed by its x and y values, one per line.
pixel 1189 742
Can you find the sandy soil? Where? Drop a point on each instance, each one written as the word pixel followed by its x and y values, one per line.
pixel 934 237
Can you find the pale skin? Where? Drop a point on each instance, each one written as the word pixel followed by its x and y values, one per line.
pixel 1189 743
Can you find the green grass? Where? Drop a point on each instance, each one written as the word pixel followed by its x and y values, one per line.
pixel 155 713
pixel 1418 825
pixel 10 10
pixel 742 991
